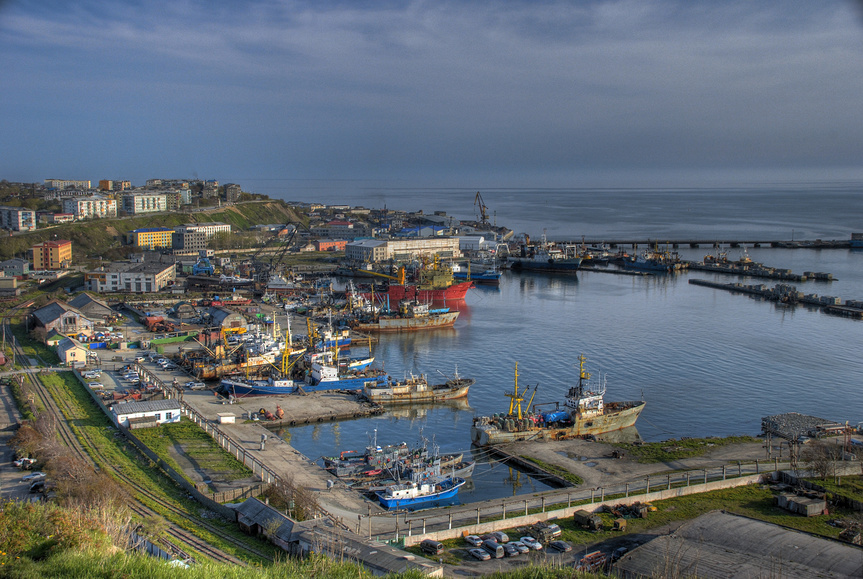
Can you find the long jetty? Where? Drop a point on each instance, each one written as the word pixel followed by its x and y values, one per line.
pixel 694 243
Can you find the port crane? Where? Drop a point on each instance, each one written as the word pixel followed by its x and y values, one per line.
pixel 483 208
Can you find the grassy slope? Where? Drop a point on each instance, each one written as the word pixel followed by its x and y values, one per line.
pixel 97 237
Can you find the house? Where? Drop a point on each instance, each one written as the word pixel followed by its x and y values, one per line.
pixel 71 351
pixel 15 267
pixel 60 316
pixel 92 307
pixel 330 244
pixel 146 414
pixel 52 255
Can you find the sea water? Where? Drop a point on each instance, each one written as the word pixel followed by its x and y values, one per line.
pixel 707 362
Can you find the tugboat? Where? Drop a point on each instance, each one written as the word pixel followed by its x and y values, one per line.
pixel 411 316
pixel 585 413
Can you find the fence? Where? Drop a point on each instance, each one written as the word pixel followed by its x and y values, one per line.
pixel 495 515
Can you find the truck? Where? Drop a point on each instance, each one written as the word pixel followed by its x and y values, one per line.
pixel 544 532
pixel 586 520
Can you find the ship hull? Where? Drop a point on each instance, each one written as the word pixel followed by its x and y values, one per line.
pixel 242 388
pixel 388 395
pixel 551 265
pixel 618 415
pixel 446 493
pixel 345 383
pixel 397 293
pixel 444 320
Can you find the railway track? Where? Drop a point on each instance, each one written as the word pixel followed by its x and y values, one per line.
pixel 83 446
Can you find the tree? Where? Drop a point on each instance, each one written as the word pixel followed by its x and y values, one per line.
pixel 819 457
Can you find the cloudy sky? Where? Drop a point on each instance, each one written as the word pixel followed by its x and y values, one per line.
pixel 548 93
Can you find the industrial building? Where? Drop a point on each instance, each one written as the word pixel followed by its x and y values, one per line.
pixel 131 277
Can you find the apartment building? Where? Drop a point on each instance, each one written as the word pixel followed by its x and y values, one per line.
pixel 151 237
pixel 108 185
pixel 17 219
pixel 89 207
pixel 66 184
pixel 137 203
pixel 209 229
pixel 51 255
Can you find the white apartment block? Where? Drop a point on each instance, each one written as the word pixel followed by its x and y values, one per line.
pixel 209 229
pixel 87 207
pixel 66 184
pixel 17 219
pixel 144 203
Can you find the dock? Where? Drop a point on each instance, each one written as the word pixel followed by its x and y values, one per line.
pixel 788 294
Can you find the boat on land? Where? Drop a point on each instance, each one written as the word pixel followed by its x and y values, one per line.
pixel 417 389
pixel 242 387
pixel 584 413
pixel 412 494
pixel 410 316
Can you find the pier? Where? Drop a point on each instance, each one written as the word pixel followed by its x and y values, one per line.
pixel 695 243
pixel 788 294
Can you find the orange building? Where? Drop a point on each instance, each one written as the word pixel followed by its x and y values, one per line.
pixel 52 255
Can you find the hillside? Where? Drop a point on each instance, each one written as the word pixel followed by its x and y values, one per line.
pixel 104 237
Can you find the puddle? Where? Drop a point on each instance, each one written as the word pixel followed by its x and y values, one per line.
pixel 590 463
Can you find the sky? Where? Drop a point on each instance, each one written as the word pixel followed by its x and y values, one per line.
pixel 474 93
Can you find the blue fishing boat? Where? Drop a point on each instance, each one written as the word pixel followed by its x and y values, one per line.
pixel 242 387
pixel 412 494
pixel 486 276
pixel 324 376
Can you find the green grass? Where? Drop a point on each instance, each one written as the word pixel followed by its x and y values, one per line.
pixel 104 237
pixel 33 348
pixel 556 470
pixel 668 450
pixel 755 501
pixel 850 487
pixel 98 434
pixel 197 445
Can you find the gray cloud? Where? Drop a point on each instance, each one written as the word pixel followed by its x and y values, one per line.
pixel 295 89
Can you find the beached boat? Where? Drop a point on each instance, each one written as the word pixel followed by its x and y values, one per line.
pixel 413 494
pixel 417 389
pixel 242 387
pixel 584 413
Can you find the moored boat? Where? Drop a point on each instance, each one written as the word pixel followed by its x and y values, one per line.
pixel 546 258
pixel 411 316
pixel 417 389
pixel 412 494
pixel 585 412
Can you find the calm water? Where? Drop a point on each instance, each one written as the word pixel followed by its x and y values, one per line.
pixel 707 362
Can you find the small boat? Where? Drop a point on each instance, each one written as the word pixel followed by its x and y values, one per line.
pixel 412 494
pixel 417 389
pixel 485 276
pixel 241 387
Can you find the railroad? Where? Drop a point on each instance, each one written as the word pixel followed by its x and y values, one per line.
pixel 94 457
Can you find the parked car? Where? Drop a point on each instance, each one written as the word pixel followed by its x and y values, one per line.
pixel 522 548
pixel 169 366
pixel 510 550
pixel 561 546
pixel 618 553
pixel 33 476
pixel 480 554
pixel 95 385
pixel 37 487
pixel 531 543
pixel 473 541
pixel 25 462
pixel 500 537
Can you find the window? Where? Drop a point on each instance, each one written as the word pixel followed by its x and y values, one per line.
pixel 158 416
pixel 168 415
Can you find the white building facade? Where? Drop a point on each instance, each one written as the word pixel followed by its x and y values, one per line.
pixel 88 207
pixel 138 203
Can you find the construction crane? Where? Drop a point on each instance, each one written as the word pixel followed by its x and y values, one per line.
pixel 483 209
